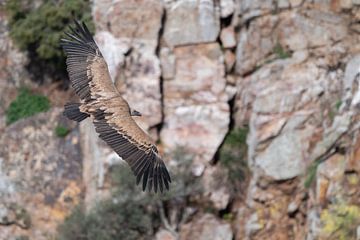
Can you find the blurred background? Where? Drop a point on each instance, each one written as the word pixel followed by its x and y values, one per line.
pixel 253 104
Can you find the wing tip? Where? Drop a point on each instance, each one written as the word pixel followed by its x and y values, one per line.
pixel 160 179
pixel 79 33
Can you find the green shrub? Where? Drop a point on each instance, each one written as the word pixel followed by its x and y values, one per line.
pixel 61 131
pixel 130 213
pixel 311 173
pixel 38 29
pixel 25 105
pixel 338 105
pixel 110 220
pixel 183 181
pixel 280 52
pixel 233 153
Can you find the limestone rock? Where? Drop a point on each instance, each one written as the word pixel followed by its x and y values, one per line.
pixel 230 60
pixel 194 100
pixel 132 27
pixel 330 174
pixel 311 29
pixel 270 111
pixel 227 7
pixel 129 19
pixel 202 22
pixel 12 72
pixel 216 186
pixel 351 70
pixel 254 44
pixel 282 4
pixel 297 30
pixel 251 9
pixel 38 171
pixel 164 235
pixel 296 3
pixel 275 160
pixel 113 50
pixel 205 227
pixel 227 37
pixel 252 226
pixel 167 60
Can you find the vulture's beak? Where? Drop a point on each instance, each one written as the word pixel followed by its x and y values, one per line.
pixel 135 113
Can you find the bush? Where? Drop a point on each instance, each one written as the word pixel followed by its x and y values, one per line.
pixel 311 173
pixel 233 153
pixel 25 105
pixel 109 220
pixel 131 213
pixel 280 52
pixel 61 131
pixel 38 30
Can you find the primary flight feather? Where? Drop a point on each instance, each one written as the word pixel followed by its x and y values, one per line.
pixel 111 114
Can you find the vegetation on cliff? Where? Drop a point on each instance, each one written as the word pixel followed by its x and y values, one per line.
pixel 232 155
pixel 25 105
pixel 131 214
pixel 38 28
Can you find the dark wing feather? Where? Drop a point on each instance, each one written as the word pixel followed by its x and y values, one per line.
pixel 145 163
pixel 80 49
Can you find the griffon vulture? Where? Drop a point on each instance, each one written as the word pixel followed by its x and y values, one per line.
pixel 110 113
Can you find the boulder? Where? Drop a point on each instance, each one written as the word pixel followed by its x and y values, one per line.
pixel 194 100
pixel 205 227
pixel 202 22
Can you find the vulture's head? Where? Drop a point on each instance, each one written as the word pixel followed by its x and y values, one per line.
pixel 133 112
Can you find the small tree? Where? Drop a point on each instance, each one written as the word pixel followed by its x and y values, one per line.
pixel 38 29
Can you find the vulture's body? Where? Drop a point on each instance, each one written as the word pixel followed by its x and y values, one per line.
pixel 111 114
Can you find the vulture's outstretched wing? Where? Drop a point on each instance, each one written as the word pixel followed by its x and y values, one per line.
pixel 91 80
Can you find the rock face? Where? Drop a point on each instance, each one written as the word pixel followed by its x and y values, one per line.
pixel 300 111
pixel 202 22
pixel 12 72
pixel 187 120
pixel 206 227
pixel 138 74
pixel 286 70
pixel 40 176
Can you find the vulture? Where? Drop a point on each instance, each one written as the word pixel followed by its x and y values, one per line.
pixel 110 113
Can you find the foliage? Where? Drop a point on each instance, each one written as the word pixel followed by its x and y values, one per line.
pixel 23 237
pixel 110 220
pixel 338 105
pixel 61 131
pixel 334 109
pixel 340 221
pixel 25 105
pixel 131 213
pixel 38 30
pixel 311 173
pixel 184 183
pixel 228 217
pixel 233 153
pixel 281 52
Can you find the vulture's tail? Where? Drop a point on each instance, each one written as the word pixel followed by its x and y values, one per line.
pixel 72 112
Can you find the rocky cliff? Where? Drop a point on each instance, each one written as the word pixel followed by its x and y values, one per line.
pixel 285 72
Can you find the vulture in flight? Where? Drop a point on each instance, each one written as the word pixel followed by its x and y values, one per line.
pixel 110 113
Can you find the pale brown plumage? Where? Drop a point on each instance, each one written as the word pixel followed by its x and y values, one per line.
pixel 111 114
